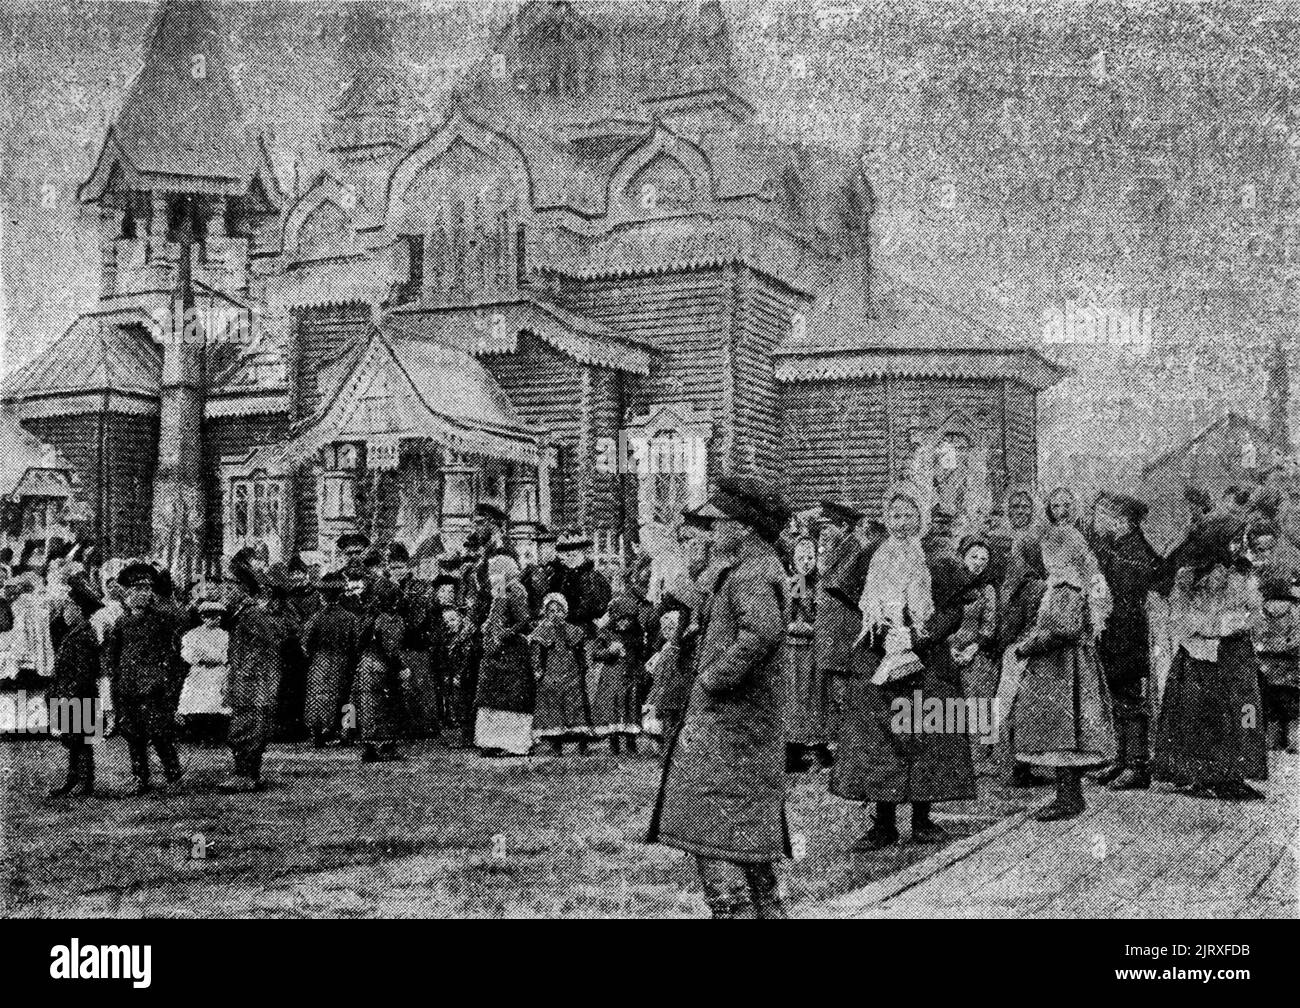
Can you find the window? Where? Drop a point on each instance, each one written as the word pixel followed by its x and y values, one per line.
pixel 669 486
pixel 341 455
pixel 414 285
pixel 239 508
pixel 257 509
pixel 338 496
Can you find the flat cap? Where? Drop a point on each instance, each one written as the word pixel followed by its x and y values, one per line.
pixel 486 509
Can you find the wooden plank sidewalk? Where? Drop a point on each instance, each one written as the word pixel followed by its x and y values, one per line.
pixel 1138 854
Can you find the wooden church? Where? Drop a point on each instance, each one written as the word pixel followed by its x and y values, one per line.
pixel 582 288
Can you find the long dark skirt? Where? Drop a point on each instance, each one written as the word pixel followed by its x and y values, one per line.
pixel 805 714
pixel 1211 724
pixel 421 694
pixel 377 696
pixel 873 762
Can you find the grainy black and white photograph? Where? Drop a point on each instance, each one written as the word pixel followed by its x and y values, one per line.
pixel 610 459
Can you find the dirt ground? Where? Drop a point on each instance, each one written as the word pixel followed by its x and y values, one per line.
pixel 443 833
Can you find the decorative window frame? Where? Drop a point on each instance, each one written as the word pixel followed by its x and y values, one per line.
pixel 637 459
pixel 259 464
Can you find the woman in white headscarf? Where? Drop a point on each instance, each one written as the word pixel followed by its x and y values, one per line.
pixel 1062 714
pixel 908 613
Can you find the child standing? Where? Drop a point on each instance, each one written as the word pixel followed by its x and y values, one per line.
pixel 563 711
pixel 205 649
pixel 618 657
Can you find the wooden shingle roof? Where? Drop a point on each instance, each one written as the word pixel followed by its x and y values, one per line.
pixel 95 354
pixel 404 388
pixel 181 126
pixel 901 330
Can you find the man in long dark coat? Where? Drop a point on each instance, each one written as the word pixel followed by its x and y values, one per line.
pixel 688 596
pixel 142 656
pixel 304 601
pixel 1131 566
pixel 76 683
pixel 723 792
pixel 415 606
pixel 842 571
pixel 264 637
pixel 486 537
pixel 331 640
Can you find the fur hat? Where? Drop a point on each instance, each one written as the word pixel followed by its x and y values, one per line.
pixel 571 541
pixel 1129 507
pixel 555 597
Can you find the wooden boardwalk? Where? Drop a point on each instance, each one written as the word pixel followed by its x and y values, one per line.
pixel 1130 855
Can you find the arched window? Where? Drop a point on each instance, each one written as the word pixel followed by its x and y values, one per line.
pixel 459 226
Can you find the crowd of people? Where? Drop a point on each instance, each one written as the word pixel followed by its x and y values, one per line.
pixel 776 642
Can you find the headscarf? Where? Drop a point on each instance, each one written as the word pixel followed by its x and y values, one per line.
pixel 505 565
pixel 988 574
pixel 1047 505
pixel 556 597
pixel 897 577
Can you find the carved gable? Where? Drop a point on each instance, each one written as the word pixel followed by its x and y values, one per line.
pixel 662 184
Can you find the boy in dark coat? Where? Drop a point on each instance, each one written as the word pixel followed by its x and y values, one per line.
pixel 1131 566
pixel 723 792
pixel 142 656
pixel 76 683
pixel 449 634
pixel 377 684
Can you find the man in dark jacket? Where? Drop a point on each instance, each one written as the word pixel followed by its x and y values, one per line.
pixel 74 689
pixel 264 638
pixel 142 656
pixel 331 641
pixel 584 587
pixel 415 607
pixel 688 596
pixel 723 792
pixel 841 573
pixel 1131 566
pixel 541 577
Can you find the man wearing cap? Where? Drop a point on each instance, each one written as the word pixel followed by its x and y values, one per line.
pixel 722 797
pixel 142 656
pixel 1131 567
pixel 585 589
pixel 686 594
pixel 352 547
pixel 264 637
pixel 415 606
pixel 303 602
pixel 76 681
pixel 331 638
pixel 484 539
pixel 843 558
